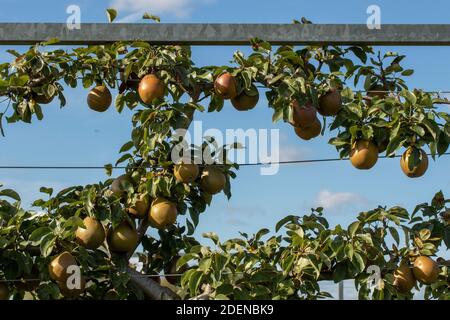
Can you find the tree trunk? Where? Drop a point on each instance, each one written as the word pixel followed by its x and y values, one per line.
pixel 151 288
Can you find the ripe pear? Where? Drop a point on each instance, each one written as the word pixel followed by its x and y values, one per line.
pixel 59 265
pixel 186 173
pixel 226 86
pixel 151 88
pixel 404 279
pixel 99 99
pixel 244 101
pixel 419 169
pixel 426 270
pixel 123 238
pixel 303 115
pixel 309 132
pixel 163 213
pixel 212 180
pixel 140 207
pixel 93 235
pixel 330 103
pixel 364 154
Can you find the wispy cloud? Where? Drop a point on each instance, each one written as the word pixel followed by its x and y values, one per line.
pixel 136 8
pixel 241 215
pixel 243 210
pixel 335 200
pixel 236 222
pixel 291 153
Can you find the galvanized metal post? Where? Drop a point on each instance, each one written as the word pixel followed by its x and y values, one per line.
pixel 341 290
pixel 227 34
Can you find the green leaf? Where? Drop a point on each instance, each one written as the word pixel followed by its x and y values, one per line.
pixel 407 72
pixel 111 14
pixel 432 127
pixel 194 281
pixel 349 250
pixel 45 190
pixel 340 272
pixel 120 102
pixel 185 259
pixel 211 235
pixel 220 261
pixel 394 234
pixel 191 227
pixel 10 194
pixel 74 221
pixel 424 234
pixel 149 16
pixel 261 233
pixel 47 245
pixel 352 228
pixel 394 145
pixel 37 235
pixel 278 115
pixel 51 42
pixel 19 81
pixel 367 131
pixel 2 132
pixel 123 158
pixel 447 238
pixel 359 53
pixel 366 237
pixel 358 262
pixel 108 169
pixel 409 96
pixel 419 130
pixel 205 265
pixel 126 147
pixel 283 221
pixel 287 264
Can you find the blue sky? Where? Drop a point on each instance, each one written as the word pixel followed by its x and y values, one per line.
pixel 77 136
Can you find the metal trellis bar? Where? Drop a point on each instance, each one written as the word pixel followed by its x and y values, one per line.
pixel 227 34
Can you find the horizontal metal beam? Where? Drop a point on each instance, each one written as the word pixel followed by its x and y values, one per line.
pixel 227 34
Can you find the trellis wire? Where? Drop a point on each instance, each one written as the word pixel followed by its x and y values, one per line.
pixel 200 165
pixel 181 274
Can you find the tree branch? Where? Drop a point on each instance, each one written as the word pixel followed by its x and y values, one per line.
pixel 150 287
pixel 207 292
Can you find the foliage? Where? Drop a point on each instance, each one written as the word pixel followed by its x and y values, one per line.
pixel 284 266
pixel 289 265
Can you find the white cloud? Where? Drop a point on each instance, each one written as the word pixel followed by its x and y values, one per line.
pixel 236 222
pixel 333 200
pixel 136 8
pixel 289 152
